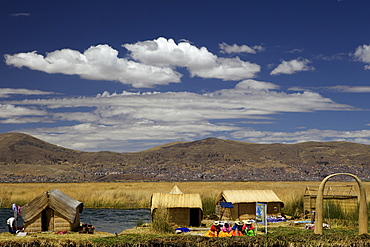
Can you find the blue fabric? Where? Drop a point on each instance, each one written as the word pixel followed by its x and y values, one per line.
pixel 226 205
pixel 183 229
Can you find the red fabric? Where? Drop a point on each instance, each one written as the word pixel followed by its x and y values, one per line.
pixel 215 228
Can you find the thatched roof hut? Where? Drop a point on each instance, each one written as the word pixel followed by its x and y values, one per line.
pixel 183 209
pixel 52 211
pixel 345 196
pixel 176 190
pixel 244 202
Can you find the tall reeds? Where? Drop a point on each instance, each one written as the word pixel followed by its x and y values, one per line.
pixel 208 204
pixel 294 206
pixel 161 221
pixel 334 214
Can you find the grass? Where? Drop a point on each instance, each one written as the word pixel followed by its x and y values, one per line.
pixel 294 205
pixel 161 221
pixel 136 194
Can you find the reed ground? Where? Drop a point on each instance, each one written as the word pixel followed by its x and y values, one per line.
pixel 137 194
pixel 277 236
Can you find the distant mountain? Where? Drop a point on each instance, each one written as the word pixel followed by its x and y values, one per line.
pixel 24 158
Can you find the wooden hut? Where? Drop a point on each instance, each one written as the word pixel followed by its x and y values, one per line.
pixel 343 195
pixel 183 209
pixel 52 211
pixel 244 203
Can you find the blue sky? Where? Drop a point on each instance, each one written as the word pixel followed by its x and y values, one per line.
pixel 129 75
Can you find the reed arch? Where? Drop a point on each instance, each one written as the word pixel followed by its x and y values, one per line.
pixel 362 213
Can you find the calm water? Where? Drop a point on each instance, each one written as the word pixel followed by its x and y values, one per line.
pixel 104 220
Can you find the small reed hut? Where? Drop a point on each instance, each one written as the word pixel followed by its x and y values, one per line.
pixel 244 203
pixel 344 196
pixel 183 209
pixel 52 211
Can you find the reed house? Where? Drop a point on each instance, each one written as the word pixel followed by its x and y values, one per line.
pixel 244 203
pixel 52 211
pixel 344 196
pixel 183 209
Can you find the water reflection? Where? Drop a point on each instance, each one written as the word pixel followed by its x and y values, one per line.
pixel 104 220
pixel 115 220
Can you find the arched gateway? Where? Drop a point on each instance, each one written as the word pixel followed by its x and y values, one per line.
pixel 362 214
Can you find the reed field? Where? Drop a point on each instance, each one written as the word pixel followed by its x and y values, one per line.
pixel 138 194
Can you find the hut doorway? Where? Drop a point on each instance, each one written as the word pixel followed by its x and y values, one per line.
pixel 194 216
pixel 47 220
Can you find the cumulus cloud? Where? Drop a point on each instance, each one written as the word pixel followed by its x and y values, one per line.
pixel 292 66
pixel 167 116
pixel 362 54
pixel 198 61
pixel 225 48
pixel 99 62
pixel 153 62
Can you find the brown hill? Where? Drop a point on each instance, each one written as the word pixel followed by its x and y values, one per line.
pixel 24 158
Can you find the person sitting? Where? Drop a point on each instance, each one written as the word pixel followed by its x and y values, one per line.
pixel 248 228
pixel 237 229
pixel 214 230
pixel 11 225
pixel 225 230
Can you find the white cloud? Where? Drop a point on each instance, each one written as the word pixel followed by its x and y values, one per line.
pixel 298 88
pixel 151 62
pixel 199 61
pixel 292 66
pixel 362 54
pixel 338 56
pixel 338 88
pixel 295 51
pixel 25 120
pixel 6 92
pixel 359 136
pixel 232 69
pixel 255 85
pixel 110 119
pixel 350 89
pixel 20 14
pixel 99 62
pixel 8 111
pixel 225 48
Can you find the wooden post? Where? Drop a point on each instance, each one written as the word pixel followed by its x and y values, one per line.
pixel 362 212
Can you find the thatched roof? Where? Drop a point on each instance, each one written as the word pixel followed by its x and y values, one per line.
pixel 332 190
pixel 54 199
pixel 176 190
pixel 249 196
pixel 165 200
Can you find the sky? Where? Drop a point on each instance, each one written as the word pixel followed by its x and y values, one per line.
pixel 125 76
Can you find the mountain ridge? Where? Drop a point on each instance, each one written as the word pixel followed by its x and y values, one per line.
pixel 24 158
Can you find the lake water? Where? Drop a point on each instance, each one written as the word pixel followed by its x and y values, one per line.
pixel 104 220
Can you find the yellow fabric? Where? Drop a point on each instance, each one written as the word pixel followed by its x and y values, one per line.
pixel 225 234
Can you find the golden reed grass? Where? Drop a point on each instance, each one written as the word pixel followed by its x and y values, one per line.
pixel 137 194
